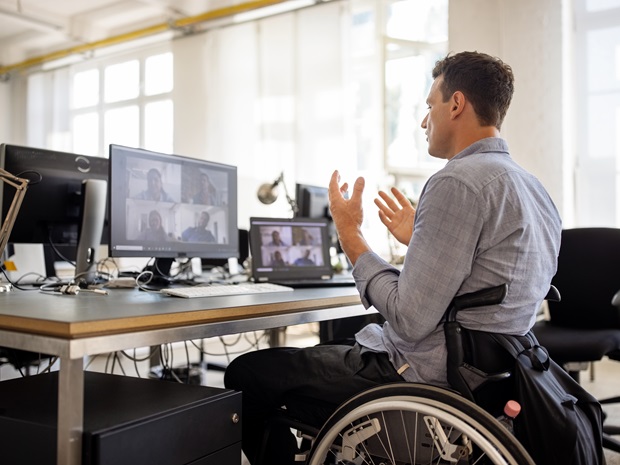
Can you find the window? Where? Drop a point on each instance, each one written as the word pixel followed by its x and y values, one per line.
pixel 415 37
pixel 125 101
pixel 394 46
pixel 598 89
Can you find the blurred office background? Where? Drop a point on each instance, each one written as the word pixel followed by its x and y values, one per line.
pixel 304 88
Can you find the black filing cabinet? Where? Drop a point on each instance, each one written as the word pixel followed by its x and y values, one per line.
pixel 127 420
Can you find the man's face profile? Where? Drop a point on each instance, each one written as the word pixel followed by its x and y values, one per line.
pixel 436 121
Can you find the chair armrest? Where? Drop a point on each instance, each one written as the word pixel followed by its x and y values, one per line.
pixel 553 295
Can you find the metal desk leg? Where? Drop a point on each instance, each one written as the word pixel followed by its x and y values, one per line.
pixel 277 337
pixel 70 411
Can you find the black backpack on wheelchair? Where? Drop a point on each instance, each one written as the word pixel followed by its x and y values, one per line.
pixel 559 423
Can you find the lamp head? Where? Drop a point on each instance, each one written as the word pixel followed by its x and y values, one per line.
pixel 268 192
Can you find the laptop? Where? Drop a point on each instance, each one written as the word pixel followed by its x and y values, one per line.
pixel 293 252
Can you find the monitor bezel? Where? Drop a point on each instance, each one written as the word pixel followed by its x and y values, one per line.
pixel 37 210
pixel 262 271
pixel 306 195
pixel 51 213
pixel 120 246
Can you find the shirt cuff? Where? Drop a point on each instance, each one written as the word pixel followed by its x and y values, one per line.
pixel 367 266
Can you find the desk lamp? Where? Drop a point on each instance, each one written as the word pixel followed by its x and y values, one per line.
pixel 268 193
pixel 20 185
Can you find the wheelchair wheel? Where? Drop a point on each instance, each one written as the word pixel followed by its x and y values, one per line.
pixel 414 424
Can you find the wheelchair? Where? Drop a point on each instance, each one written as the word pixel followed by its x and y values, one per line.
pixel 413 424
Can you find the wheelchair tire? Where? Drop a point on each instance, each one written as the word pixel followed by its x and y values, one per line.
pixel 411 424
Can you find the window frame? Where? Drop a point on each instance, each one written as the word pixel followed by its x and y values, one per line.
pixel 141 101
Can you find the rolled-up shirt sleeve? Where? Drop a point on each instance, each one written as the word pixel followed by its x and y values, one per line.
pixel 439 258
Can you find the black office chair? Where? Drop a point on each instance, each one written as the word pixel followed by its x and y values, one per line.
pixel 584 326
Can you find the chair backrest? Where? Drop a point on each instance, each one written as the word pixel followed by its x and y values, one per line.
pixel 475 366
pixel 588 276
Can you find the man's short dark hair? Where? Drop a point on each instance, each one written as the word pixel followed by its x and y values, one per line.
pixel 486 81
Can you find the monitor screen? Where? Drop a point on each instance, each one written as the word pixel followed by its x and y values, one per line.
pixel 289 248
pixel 51 212
pixel 168 206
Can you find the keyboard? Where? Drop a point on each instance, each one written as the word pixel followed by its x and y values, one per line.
pixel 215 290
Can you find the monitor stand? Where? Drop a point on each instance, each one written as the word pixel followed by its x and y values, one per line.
pixel 94 197
pixel 161 273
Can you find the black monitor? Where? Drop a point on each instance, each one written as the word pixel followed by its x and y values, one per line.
pixel 52 212
pixel 312 201
pixel 167 206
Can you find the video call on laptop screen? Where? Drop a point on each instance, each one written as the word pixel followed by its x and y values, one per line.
pixel 290 248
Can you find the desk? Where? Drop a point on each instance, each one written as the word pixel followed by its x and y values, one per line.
pixel 72 327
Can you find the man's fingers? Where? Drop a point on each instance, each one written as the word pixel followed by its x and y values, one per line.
pixel 404 201
pixel 384 219
pixel 358 188
pixel 383 209
pixel 389 201
pixel 334 190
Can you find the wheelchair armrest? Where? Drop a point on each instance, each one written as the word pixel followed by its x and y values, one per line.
pixel 554 295
pixel 489 296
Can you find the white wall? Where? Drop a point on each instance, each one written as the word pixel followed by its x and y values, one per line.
pixel 528 35
pixel 13 121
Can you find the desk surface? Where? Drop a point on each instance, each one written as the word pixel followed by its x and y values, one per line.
pixel 130 310
pixel 86 324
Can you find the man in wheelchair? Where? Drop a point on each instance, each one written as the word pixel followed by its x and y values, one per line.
pixel 481 221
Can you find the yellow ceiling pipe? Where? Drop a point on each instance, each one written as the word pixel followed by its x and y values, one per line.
pixel 156 29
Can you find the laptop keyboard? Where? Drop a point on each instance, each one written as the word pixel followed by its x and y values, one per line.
pixel 215 290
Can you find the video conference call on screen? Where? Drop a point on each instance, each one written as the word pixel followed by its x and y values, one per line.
pixel 171 206
pixel 290 246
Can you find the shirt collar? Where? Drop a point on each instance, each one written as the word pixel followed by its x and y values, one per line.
pixel 489 144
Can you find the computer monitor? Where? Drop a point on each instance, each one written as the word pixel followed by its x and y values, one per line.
pixel 312 201
pixel 167 206
pixel 53 212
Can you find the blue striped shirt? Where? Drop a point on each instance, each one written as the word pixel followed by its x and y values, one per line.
pixel 481 221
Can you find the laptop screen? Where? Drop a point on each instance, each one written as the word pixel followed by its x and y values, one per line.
pixel 290 249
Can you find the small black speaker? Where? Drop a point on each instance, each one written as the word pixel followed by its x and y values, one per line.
pixel 244 252
pixel 244 245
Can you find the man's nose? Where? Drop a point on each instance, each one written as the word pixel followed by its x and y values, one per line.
pixel 424 122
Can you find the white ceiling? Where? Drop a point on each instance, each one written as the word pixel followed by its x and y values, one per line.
pixel 34 28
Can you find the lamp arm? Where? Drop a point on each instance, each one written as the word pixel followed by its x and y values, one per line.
pixel 20 185
pixel 290 200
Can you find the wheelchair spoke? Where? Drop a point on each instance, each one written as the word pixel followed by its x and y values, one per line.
pixel 410 424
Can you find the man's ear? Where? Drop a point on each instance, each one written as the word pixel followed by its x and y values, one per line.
pixel 457 104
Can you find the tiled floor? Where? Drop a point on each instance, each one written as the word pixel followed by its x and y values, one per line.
pixel 221 350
